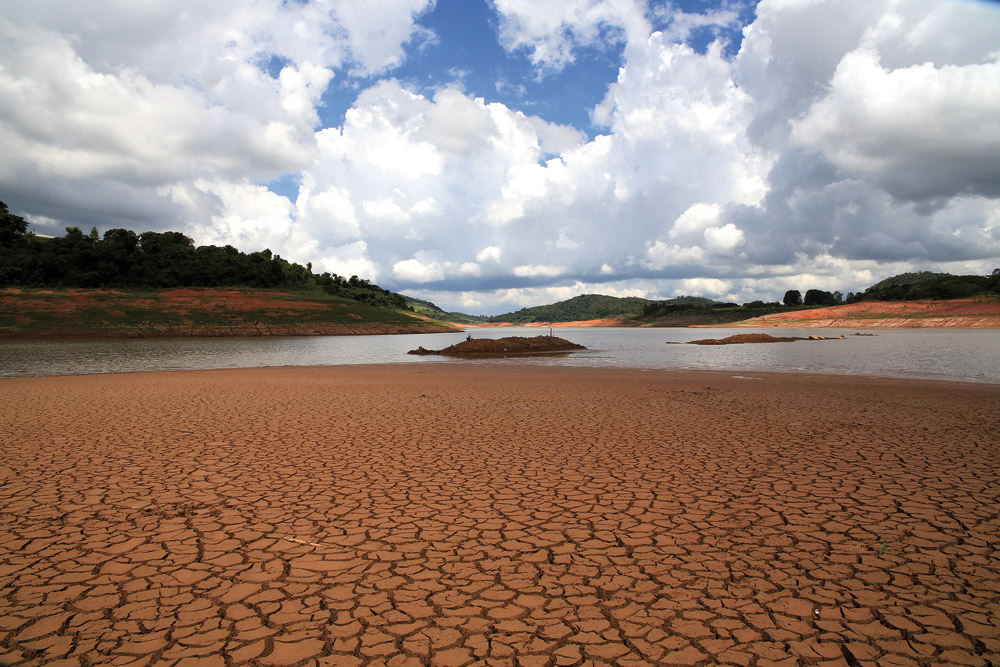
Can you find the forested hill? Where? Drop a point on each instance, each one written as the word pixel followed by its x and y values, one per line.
pixel 122 259
pixel 930 285
pixel 585 307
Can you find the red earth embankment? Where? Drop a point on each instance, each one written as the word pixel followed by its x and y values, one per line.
pixel 975 313
pixel 109 313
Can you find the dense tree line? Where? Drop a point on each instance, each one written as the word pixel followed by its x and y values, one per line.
pixel 683 305
pixel 813 297
pixel 685 311
pixel 122 258
pixel 905 287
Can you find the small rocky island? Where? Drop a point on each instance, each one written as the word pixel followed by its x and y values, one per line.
pixel 740 339
pixel 504 347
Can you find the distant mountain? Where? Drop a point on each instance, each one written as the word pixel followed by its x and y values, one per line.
pixel 431 310
pixel 691 310
pixel 587 307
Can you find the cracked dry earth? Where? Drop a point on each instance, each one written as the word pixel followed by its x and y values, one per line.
pixel 485 514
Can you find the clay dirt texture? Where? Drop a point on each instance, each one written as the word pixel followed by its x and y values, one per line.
pixel 487 514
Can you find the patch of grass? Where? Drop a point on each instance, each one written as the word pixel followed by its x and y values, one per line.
pixel 886 543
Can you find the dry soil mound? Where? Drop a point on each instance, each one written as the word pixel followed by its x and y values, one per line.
pixel 746 338
pixel 504 346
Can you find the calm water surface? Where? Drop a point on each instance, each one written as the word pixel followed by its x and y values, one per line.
pixel 971 355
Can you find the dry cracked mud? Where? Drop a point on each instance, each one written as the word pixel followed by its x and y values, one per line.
pixel 482 514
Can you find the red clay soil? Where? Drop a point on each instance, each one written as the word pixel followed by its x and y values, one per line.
pixel 509 346
pixel 493 515
pixel 956 313
pixel 739 339
pixel 182 299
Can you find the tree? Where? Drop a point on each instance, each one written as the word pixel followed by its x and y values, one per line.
pixel 12 227
pixel 818 297
pixel 123 258
pixel 793 297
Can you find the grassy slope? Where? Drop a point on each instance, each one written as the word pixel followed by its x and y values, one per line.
pixel 192 311
pixel 434 312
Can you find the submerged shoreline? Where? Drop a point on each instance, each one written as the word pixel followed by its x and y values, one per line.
pixel 452 513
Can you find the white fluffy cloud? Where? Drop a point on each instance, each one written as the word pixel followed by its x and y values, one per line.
pixel 133 100
pixel 429 183
pixel 847 140
pixel 551 32
pixel 920 131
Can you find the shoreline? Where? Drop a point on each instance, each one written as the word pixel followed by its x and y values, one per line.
pixel 379 329
pixel 827 323
pixel 456 513
pixel 492 367
pixel 496 362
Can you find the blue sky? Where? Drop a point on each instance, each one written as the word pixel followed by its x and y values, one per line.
pixel 465 51
pixel 493 155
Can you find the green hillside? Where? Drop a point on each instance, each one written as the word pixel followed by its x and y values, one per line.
pixel 429 309
pixel 586 307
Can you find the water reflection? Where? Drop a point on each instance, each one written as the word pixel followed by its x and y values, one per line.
pixel 943 354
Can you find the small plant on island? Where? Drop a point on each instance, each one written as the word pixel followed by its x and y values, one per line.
pixel 885 543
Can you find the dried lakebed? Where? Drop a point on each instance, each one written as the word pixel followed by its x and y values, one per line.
pixel 497 514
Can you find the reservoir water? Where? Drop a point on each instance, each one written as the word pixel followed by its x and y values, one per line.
pixel 944 354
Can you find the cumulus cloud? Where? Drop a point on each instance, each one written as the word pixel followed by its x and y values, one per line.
pixel 846 140
pixel 552 32
pixel 919 132
pixel 430 271
pixel 489 254
pixel 144 98
pixel 883 130
pixel 434 177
